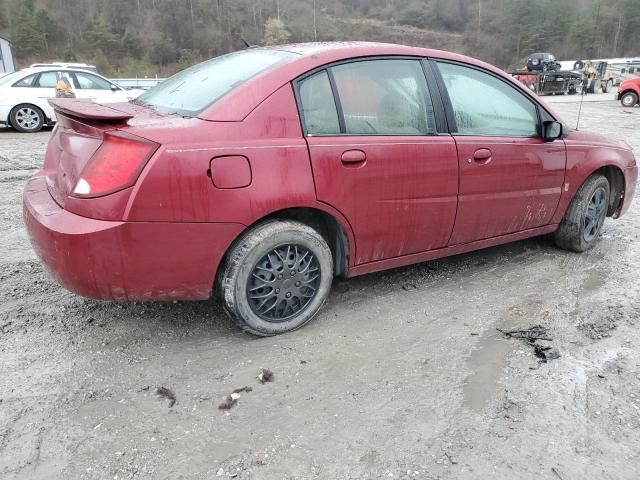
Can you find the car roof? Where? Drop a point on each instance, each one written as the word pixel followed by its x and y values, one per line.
pixel 349 49
pixel 54 68
pixel 241 101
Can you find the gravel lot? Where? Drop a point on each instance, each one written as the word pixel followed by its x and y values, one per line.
pixel 403 375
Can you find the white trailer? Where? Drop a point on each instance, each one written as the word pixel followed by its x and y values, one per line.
pixel 7 64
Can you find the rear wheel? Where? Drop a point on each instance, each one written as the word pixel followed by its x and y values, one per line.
pixel 276 277
pixel 629 99
pixel 582 223
pixel 26 118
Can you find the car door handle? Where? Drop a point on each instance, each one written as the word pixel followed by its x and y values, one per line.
pixel 482 155
pixel 351 157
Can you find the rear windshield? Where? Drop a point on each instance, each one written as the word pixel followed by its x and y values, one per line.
pixel 191 91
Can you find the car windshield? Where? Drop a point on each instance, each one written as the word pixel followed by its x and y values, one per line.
pixel 8 78
pixel 191 91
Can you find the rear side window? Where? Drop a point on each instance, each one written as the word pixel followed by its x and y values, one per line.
pixel 193 90
pixel 384 97
pixel 319 111
pixel 25 82
pixel 47 80
pixel 484 105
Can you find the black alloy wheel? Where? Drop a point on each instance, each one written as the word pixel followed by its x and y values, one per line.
pixel 595 214
pixel 283 283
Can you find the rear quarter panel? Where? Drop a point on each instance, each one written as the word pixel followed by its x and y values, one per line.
pixel 34 96
pixel 175 186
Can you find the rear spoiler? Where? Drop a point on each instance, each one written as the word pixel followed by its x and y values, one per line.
pixel 87 109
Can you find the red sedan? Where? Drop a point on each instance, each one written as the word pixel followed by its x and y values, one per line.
pixel 261 175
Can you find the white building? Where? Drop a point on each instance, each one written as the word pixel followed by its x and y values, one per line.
pixel 7 64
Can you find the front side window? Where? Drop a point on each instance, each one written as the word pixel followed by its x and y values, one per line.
pixel 86 81
pixel 193 90
pixel 484 105
pixel 384 97
pixel 318 107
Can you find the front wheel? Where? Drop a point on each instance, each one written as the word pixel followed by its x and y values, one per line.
pixel 629 99
pixel 583 220
pixel 276 277
pixel 26 118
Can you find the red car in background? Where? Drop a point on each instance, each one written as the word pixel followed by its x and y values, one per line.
pixel 261 175
pixel 629 92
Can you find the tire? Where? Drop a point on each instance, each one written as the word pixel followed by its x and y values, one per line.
pixel 583 220
pixel 629 99
pixel 26 118
pixel 268 253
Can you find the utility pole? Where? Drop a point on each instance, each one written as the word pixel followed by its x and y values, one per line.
pixel 315 24
pixel 616 38
pixel 479 18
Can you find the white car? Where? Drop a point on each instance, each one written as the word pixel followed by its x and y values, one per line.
pixel 24 95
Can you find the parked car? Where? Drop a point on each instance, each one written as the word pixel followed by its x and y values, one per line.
pixel 629 92
pixel 24 94
pixel 261 175
pixel 542 62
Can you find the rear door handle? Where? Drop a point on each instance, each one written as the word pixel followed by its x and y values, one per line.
pixel 482 155
pixel 351 157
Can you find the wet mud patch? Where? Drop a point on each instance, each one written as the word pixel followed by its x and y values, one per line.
pixel 601 321
pixel 487 363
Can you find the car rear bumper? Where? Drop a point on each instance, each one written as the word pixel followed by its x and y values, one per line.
pixel 124 260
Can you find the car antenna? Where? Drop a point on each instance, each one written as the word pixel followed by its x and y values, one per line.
pixel 582 93
pixel 247 44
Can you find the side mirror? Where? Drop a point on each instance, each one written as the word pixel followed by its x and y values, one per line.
pixel 114 88
pixel 551 131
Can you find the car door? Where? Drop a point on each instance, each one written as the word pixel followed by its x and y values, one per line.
pixel 377 155
pixel 510 178
pixel 95 88
pixel 38 89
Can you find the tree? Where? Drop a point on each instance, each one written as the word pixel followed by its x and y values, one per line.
pixel 143 34
pixel 99 36
pixel 275 32
pixel 30 31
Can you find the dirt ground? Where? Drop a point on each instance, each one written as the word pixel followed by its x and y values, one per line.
pixel 403 374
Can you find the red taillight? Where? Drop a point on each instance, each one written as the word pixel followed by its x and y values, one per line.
pixel 115 165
